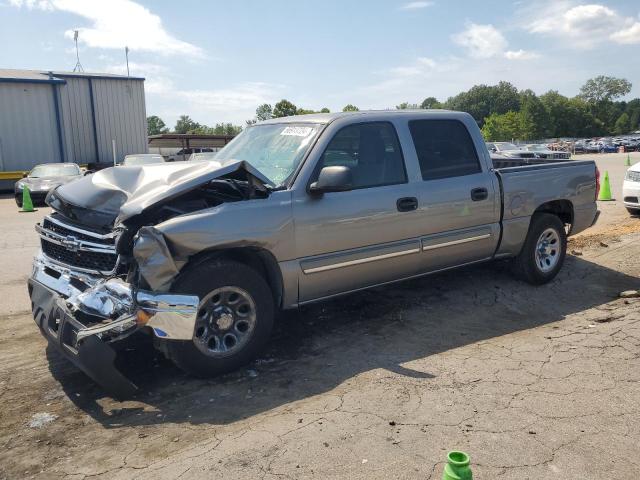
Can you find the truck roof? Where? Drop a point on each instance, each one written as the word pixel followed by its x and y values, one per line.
pixel 329 117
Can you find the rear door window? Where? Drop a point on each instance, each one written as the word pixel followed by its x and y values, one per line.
pixel 444 149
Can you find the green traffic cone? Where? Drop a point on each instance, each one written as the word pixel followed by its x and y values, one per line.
pixel 628 162
pixel 457 467
pixel 605 190
pixel 27 204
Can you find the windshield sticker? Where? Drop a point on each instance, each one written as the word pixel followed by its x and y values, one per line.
pixel 297 131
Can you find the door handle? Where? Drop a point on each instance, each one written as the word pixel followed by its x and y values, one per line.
pixel 478 194
pixel 407 204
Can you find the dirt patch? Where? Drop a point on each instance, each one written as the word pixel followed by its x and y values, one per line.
pixel 603 239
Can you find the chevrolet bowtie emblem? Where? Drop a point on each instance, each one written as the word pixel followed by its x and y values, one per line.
pixel 71 243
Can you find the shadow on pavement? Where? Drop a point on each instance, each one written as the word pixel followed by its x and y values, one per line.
pixel 317 348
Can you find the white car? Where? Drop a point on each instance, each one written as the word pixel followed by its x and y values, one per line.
pixel 204 157
pixel 631 189
pixel 142 159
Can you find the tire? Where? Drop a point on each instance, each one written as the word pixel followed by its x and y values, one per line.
pixel 18 202
pixel 538 270
pixel 248 320
pixel 633 211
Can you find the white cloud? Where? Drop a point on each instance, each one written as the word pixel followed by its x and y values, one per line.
pixel 520 55
pixel 416 5
pixel 486 41
pixel 157 77
pixel 581 25
pixel 627 35
pixel 116 24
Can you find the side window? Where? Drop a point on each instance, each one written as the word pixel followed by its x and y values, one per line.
pixel 371 151
pixel 444 149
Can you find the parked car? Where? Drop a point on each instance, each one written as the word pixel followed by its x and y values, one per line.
pixel 580 146
pixel 43 178
pixel 509 150
pixel 542 151
pixel 204 157
pixel 142 159
pixel 631 189
pixel 302 209
pixel 185 153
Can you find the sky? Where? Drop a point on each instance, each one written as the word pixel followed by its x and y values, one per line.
pixel 217 61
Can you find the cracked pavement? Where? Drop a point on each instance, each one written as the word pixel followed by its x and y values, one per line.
pixel 536 383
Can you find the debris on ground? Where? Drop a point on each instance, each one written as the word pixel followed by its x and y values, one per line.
pixel 630 294
pixel 42 419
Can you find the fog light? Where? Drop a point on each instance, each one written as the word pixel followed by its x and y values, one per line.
pixel 142 317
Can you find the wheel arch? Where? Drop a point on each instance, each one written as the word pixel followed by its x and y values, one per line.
pixel 563 209
pixel 260 259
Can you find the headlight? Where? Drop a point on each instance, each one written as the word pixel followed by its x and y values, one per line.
pixel 632 176
pixel 20 185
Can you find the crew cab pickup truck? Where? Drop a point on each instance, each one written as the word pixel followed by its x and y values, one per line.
pixel 295 210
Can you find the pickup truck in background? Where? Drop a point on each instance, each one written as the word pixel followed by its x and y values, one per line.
pixel 294 210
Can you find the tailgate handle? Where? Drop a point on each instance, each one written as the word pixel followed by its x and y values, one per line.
pixel 478 194
pixel 407 204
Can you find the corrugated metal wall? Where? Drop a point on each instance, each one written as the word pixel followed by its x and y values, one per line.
pixel 121 116
pixel 75 106
pixel 28 132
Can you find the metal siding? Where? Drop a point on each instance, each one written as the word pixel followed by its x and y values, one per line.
pixel 78 109
pixel 120 115
pixel 28 134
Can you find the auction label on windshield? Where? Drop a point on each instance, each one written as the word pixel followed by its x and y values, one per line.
pixel 297 131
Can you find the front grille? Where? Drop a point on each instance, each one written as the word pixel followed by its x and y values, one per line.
pixel 631 199
pixel 102 262
pixel 77 248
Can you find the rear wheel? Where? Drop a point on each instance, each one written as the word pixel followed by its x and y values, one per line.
pixel 544 249
pixel 235 317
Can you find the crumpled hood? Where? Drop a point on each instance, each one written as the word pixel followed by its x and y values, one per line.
pixel 118 193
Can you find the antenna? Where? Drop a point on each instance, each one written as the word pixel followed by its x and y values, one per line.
pixel 126 54
pixel 78 66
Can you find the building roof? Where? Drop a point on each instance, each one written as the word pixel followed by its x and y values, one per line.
pixel 41 76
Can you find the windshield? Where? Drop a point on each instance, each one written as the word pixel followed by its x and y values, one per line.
pixel 54 171
pixel 506 146
pixel 274 149
pixel 142 160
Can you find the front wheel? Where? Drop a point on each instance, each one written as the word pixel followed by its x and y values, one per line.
pixel 235 317
pixel 544 249
pixel 633 211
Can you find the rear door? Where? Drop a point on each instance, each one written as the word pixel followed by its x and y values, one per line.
pixel 353 239
pixel 458 197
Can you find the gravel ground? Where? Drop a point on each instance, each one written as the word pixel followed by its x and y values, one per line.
pixel 536 383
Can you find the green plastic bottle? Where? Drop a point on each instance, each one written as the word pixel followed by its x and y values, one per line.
pixel 457 467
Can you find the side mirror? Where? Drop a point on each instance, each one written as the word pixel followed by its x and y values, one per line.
pixel 24 175
pixel 333 179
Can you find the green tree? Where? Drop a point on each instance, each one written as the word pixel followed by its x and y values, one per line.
pixel 264 112
pixel 284 108
pixel 604 89
pixel 430 102
pixel 622 125
pixel 304 111
pixel 185 125
pixel 350 108
pixel 503 127
pixel 155 125
pixel 325 110
pixel 483 100
pixel 406 106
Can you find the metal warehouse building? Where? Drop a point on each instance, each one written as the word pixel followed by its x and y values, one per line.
pixel 69 117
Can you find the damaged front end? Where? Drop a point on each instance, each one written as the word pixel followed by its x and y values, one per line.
pixel 104 271
pixel 82 315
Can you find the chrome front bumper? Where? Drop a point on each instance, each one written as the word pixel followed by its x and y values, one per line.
pixel 120 308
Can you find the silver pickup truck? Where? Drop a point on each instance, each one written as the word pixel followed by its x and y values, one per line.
pixel 202 255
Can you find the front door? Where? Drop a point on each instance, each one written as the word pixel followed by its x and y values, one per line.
pixel 353 239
